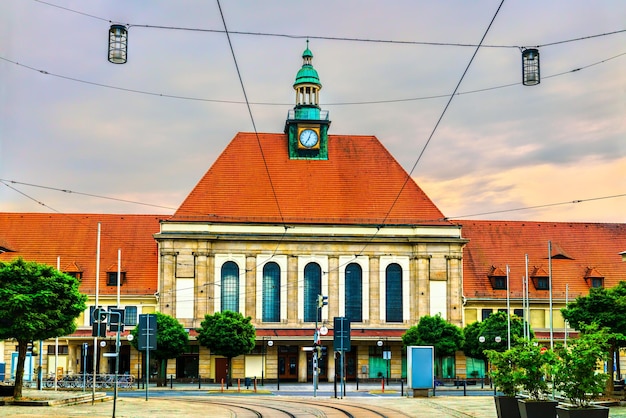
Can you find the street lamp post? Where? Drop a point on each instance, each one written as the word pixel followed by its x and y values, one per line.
pixel 498 340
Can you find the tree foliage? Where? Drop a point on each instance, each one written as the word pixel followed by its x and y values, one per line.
pixel 227 334
pixel 575 369
pixel 37 302
pixel 532 363
pixel 447 338
pixel 494 326
pixel 172 340
pixel 607 309
pixel 503 366
pixel 435 331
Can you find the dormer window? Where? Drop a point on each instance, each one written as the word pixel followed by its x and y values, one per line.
pixel 78 275
pixel 497 278
pixel 540 278
pixel 74 270
pixel 594 278
pixel 112 278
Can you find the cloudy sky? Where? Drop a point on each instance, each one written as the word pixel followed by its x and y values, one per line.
pixel 146 131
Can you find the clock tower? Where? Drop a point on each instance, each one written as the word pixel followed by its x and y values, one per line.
pixel 307 125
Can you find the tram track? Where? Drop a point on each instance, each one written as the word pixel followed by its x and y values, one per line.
pixel 301 408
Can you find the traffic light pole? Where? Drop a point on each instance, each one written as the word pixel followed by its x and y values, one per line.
pixel 317 349
pixel 315 359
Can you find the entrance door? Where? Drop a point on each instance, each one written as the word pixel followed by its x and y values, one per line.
pixel 221 370
pixel 288 362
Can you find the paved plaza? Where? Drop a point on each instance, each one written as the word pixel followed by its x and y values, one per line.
pixel 188 400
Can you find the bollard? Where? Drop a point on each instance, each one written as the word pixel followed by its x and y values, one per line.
pixel 382 381
pixel 402 388
pixel 171 381
pixel 465 388
pixel 222 384
pixel 238 385
pixel 357 383
pixel 199 382
pixel 335 384
pixel 254 384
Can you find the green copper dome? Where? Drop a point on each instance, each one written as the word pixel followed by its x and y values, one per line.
pixel 307 74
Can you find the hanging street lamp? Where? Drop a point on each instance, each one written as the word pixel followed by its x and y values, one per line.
pixel 530 67
pixel 118 44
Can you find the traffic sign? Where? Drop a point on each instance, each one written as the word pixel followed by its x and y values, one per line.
pixel 147 332
pixel 342 333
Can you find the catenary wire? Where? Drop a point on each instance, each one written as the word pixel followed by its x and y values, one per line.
pixel 336 38
pixel 346 103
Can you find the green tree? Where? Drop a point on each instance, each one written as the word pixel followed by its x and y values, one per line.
pixel 172 340
pixel 37 302
pixel 575 369
pixel 227 334
pixel 606 308
pixel 494 326
pixel 435 331
pixel 491 328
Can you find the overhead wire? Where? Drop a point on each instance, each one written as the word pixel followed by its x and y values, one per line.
pixel 355 39
pixel 243 274
pixel 346 103
pixel 335 38
pixel 256 133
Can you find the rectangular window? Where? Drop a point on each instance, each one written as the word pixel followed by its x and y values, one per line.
pixel 502 310
pixel 596 282
pixel 475 368
pixel 130 315
pixel 112 278
pixel 499 283
pixel 63 350
pixel 519 312
pixel 485 313
pixel 542 283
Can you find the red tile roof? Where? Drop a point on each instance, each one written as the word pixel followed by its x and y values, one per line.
pixel 73 237
pixel 360 183
pixel 577 249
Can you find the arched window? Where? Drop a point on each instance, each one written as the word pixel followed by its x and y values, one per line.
pixel 230 286
pixel 312 288
pixel 354 292
pixel 393 293
pixel 271 292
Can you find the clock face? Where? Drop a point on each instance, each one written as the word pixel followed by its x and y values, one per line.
pixel 308 138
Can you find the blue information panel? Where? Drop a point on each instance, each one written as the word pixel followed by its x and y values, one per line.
pixel 420 367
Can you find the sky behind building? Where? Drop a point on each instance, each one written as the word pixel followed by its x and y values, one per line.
pixel 143 133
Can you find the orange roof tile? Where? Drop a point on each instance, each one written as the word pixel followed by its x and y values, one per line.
pixel 360 183
pixel 43 237
pixel 501 243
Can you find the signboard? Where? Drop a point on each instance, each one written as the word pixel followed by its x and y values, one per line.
pixel 341 340
pixel 420 362
pixel 147 332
